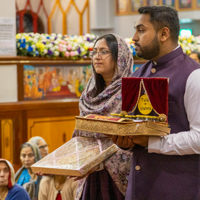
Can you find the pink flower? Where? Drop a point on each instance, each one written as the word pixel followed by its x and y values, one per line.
pixel 66 54
pixel 60 48
pixel 72 53
pixel 63 42
pixel 69 47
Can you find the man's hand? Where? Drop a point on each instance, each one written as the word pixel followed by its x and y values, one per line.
pixel 123 141
pixel 141 140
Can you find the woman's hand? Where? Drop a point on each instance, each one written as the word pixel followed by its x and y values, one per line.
pixel 96 168
pixel 41 174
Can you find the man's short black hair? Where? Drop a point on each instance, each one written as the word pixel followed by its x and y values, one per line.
pixel 163 16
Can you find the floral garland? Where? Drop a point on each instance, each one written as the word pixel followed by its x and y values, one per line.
pixel 190 43
pixel 131 46
pixel 76 47
pixel 54 45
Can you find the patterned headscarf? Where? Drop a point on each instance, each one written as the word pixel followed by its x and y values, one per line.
pixel 109 100
pixel 11 178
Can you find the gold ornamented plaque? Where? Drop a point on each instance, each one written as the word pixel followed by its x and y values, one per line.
pixel 76 157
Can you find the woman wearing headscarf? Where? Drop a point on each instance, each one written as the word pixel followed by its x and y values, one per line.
pixel 111 60
pixel 29 154
pixel 42 145
pixel 8 189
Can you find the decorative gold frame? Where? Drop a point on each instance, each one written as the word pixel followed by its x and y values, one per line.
pixel 196 4
pixel 162 3
pixel 131 6
pixel 157 3
pixel 179 8
pixel 129 11
pixel 121 128
pixel 122 11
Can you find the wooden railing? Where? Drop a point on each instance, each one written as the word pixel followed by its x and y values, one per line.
pixel 52 120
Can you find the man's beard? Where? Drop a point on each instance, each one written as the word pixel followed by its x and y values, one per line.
pixel 150 51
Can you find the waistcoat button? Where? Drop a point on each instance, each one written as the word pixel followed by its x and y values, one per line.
pixel 153 70
pixel 137 167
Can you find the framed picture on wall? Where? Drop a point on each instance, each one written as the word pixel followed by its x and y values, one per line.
pixel 198 4
pixel 136 4
pixel 168 3
pixel 152 2
pixel 54 81
pixel 122 6
pixel 185 4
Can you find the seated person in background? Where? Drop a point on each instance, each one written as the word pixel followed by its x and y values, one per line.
pixel 8 189
pixel 195 55
pixel 57 188
pixel 29 154
pixel 42 145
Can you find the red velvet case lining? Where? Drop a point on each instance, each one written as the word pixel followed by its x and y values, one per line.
pixel 156 88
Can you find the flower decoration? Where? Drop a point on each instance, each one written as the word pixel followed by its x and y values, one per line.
pixel 131 46
pixel 76 47
pixel 190 43
pixel 54 45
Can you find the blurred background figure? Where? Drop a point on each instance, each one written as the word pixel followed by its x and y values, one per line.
pixel 29 154
pixel 42 145
pixel 195 55
pixel 8 189
pixel 57 187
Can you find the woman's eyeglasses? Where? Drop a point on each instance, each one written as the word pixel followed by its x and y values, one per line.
pixel 43 146
pixel 101 53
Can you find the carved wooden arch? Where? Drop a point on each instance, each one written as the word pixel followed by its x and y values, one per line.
pixel 64 12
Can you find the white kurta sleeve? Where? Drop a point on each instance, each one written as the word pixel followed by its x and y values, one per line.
pixel 185 142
